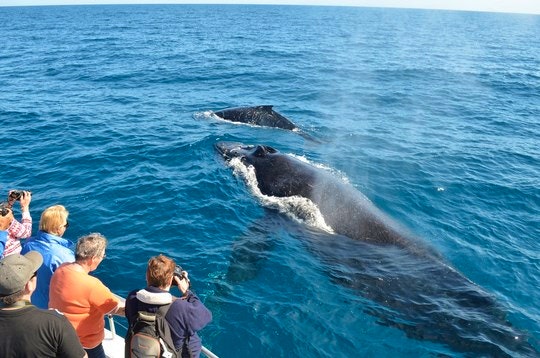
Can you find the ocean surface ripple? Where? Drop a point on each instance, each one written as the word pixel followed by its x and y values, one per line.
pixel 432 115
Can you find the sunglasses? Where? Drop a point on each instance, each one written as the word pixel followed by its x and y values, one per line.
pixel 67 224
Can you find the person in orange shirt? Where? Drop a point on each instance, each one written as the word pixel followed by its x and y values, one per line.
pixel 82 298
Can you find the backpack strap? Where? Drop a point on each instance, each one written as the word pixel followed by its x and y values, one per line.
pixel 162 310
pixel 164 332
pixel 184 349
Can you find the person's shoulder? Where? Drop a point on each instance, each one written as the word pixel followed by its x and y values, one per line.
pixel 178 304
pixel 132 297
pixel 189 297
pixel 36 241
pixel 98 287
pixel 62 244
pixel 64 253
pixel 31 245
pixel 50 314
pixel 50 318
pixel 29 242
pixel 64 267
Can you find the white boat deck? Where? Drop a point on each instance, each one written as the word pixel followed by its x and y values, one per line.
pixel 113 345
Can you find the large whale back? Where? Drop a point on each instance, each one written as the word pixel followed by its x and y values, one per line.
pixel 257 115
pixel 347 211
pixel 419 293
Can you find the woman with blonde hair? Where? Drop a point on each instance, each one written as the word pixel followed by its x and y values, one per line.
pixel 54 249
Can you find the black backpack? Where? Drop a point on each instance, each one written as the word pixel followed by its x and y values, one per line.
pixel 150 336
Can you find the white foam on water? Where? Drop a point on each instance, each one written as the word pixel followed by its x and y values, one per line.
pixel 296 207
pixel 205 115
pixel 212 115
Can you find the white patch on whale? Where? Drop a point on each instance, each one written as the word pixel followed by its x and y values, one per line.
pixel 296 207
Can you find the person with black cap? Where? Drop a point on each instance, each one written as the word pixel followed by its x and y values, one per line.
pixel 25 330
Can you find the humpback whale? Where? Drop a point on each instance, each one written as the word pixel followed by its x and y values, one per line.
pixel 410 285
pixel 258 115
pixel 347 211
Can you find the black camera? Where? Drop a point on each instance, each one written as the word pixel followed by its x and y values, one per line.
pixel 178 273
pixel 16 194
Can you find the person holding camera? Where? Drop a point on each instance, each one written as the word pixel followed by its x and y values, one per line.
pixel 18 230
pixel 186 314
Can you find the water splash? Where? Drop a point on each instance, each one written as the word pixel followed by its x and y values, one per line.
pixel 297 208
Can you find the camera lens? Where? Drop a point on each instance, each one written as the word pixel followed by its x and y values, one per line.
pixel 15 194
pixel 177 272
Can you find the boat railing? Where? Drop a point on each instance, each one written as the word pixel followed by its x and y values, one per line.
pixel 112 328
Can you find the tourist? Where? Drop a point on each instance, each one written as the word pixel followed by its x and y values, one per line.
pixel 82 298
pixel 186 315
pixel 54 249
pixel 25 330
pixel 18 230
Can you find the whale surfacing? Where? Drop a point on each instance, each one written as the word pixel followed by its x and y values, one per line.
pixel 258 115
pixel 347 211
pixel 421 294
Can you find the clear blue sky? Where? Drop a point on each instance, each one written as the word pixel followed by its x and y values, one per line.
pixel 517 6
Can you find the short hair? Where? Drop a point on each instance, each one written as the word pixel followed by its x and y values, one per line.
pixel 11 299
pixel 91 245
pixel 52 218
pixel 160 271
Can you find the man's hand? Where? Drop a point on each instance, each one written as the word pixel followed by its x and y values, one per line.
pixel 183 282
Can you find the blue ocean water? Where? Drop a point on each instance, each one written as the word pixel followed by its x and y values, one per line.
pixel 433 115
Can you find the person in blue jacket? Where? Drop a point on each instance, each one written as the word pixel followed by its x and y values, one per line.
pixel 54 249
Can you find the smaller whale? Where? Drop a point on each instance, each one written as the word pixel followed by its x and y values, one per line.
pixel 258 115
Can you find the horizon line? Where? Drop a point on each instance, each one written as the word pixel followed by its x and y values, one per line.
pixel 30 3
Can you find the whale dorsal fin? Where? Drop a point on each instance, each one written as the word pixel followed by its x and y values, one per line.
pixel 262 150
pixel 266 108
